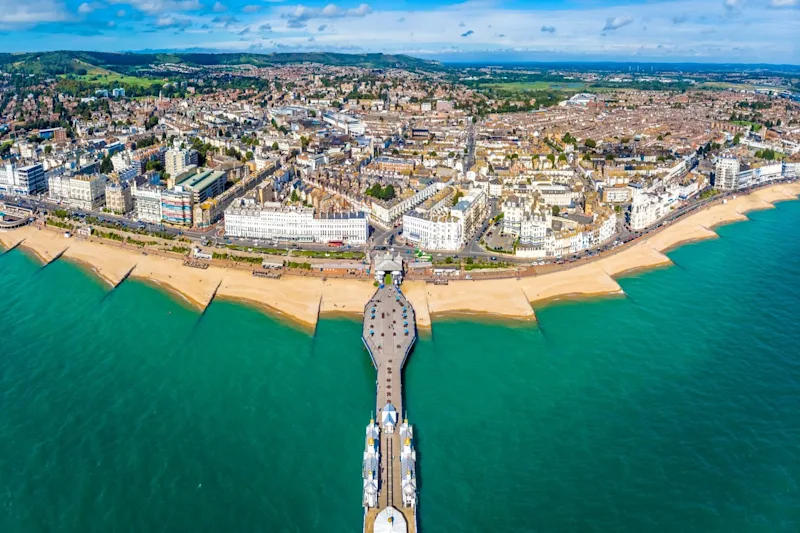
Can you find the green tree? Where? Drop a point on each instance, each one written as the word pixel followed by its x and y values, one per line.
pixel 106 166
pixel 556 210
pixel 275 145
pixel 590 143
pixel 294 196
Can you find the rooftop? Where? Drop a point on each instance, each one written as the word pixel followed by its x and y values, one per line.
pixel 201 179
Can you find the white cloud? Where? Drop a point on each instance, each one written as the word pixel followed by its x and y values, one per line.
pixel 171 21
pixel 302 14
pixel 25 14
pixel 784 3
pixel 615 23
pixel 219 7
pixel 121 13
pixel 763 35
pixel 156 7
pixel 251 8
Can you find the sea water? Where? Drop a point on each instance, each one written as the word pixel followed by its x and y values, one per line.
pixel 675 408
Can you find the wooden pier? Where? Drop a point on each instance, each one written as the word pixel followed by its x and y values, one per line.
pixel 389 333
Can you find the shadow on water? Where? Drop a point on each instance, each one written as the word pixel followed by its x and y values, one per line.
pixel 120 282
pixel 205 310
pixel 53 260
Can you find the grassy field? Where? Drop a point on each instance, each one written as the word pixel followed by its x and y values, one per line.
pixel 103 76
pixel 755 125
pixel 726 85
pixel 521 86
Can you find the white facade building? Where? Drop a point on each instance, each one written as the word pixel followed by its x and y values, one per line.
pixel 26 180
pixel 439 232
pixel 556 194
pixel 88 192
pixel 646 209
pixel 274 221
pixel 348 124
pixel 726 173
pixel 85 192
pixel 58 187
pixel 447 228
pixel 147 202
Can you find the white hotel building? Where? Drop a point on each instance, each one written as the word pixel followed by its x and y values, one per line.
pixel 86 192
pixel 726 173
pixel 447 228
pixel 646 209
pixel 275 221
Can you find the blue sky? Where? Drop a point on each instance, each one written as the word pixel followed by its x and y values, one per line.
pixel 746 31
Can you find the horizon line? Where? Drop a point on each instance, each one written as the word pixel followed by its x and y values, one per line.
pixel 499 59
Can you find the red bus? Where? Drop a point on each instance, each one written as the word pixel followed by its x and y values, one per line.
pixel 335 244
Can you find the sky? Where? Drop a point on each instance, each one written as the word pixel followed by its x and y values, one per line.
pixel 704 31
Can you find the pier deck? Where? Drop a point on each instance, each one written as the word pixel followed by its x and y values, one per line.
pixel 389 333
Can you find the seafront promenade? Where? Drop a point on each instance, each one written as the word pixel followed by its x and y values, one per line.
pixel 389 333
pixel 303 299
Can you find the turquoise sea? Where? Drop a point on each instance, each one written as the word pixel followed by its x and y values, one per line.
pixel 676 408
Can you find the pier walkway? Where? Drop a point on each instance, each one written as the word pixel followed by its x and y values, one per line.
pixel 389 333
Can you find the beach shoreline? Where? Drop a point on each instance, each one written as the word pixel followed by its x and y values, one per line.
pixel 301 300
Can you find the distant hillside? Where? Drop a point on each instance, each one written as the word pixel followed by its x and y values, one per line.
pixel 55 63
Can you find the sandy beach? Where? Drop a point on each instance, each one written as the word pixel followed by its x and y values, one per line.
pixel 302 299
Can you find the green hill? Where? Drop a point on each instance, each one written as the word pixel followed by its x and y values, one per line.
pixel 67 62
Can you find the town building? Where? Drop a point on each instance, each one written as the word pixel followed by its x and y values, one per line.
pixel 84 191
pixel 147 202
pixel 646 209
pixel 28 180
pixel 386 212
pixel 726 173
pixel 446 227
pixel 88 192
pixel 178 161
pixel 203 183
pixel 618 194
pixel 176 206
pixel 348 124
pixel 119 198
pixel 284 223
